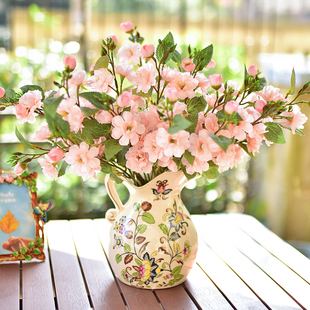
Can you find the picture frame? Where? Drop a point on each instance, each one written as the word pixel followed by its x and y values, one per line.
pixel 22 218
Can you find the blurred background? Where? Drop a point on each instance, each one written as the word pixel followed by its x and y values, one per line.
pixel 274 35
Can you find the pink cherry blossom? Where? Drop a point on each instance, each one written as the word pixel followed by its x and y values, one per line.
pixel 85 103
pixel 230 158
pixel 185 84
pixel 254 142
pixel 179 108
pixel 151 147
pixel 18 169
pixel 48 167
pixel 129 52
pixel 259 105
pixel 71 113
pixel 125 71
pixel 28 103
pixel 268 93
pixel 124 100
pixel 211 100
pixel 211 64
pixel 215 80
pixel 252 70
pixel 126 26
pixel 211 123
pixel 113 37
pixel 9 178
pixel 169 163
pixel 127 128
pixel 147 50
pixel 150 119
pixel 2 92
pixel 168 74
pixel 101 147
pixel 101 80
pixel 145 77
pixel 42 134
pixel 104 117
pixel 171 94
pixel 188 65
pixel 70 62
pixel 173 145
pixel 203 82
pixel 295 119
pixel 79 77
pixel 137 160
pixel 231 106
pixel 83 160
pixel 55 154
pixel 198 166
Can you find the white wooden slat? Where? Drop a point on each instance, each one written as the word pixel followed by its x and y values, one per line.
pixel 102 288
pixel 273 295
pixel 70 289
pixel 279 272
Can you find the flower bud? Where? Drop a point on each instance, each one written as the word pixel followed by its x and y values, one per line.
pixel 231 106
pixel 55 154
pixel 147 50
pixel 127 26
pixel 18 169
pixel 215 81
pixel 113 43
pixel 70 63
pixel 188 65
pixel 171 94
pixel 252 70
pixel 211 64
pixel 146 206
pixel 2 92
pixel 259 105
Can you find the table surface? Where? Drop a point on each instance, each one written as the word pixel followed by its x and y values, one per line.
pixel 240 265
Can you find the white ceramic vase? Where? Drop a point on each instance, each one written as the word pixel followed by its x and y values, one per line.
pixel 153 241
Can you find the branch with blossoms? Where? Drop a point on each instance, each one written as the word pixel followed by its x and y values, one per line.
pixel 135 116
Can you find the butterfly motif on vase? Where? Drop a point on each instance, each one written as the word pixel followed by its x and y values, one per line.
pixel 41 210
pixel 161 190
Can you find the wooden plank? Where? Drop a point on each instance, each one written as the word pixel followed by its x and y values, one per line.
pixel 135 298
pixel 204 291
pixel 279 272
pixel 235 290
pixel 261 284
pixel 37 281
pixel 102 288
pixel 9 286
pixel 275 245
pixel 69 284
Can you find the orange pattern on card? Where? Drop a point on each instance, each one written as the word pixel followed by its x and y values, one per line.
pixel 8 224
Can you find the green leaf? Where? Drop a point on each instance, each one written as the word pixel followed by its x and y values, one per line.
pixel 23 141
pixel 95 129
pixel 102 62
pixel 138 262
pixel 26 88
pixel 222 141
pixel 112 147
pixel 141 228
pixel 88 111
pixel 62 169
pixel 179 123
pixel 136 207
pixel 142 94
pixel 291 91
pixel 15 254
pixel 299 131
pixel 262 82
pixel 121 159
pixel 31 244
pixel 106 169
pixel 118 258
pixel 193 118
pixel 148 218
pixel 80 137
pixel 36 251
pixel 175 271
pixel 127 247
pixel 115 178
pixel 165 48
pixel 176 57
pixel 206 54
pixel 164 228
pixel 58 126
pixel 196 104
pixel 274 133
pixel 23 250
pixel 189 157
pixel 11 94
pixel 94 98
pixel 244 147
pixel 212 172
pixel 28 257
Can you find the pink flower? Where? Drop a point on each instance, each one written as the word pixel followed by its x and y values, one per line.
pixel 254 142
pixel 171 94
pixel 125 71
pixel 295 119
pixel 145 77
pixel 179 108
pixel 185 84
pixel 9 178
pixel 137 160
pixel 71 113
pixel 42 134
pixel 173 145
pixel 168 74
pixel 203 82
pixel 2 92
pixel 18 169
pixel 91 68
pixel 198 166
pixel 129 52
pixel 259 105
pixel 211 64
pixel 215 81
pixel 101 80
pixel 231 106
pixel 169 163
pixel 78 77
pixel 127 128
pixel 211 123
pixel 70 63
pixel 2 179
pixel 151 147
pixel 83 160
pixel 126 26
pixel 104 117
pixel 28 103
pixel 55 154
pixel 113 37
pixel 252 70
pixel 230 158
pixel 211 100
pixel 48 167
pixel 147 50
pixel 188 65
pixel 101 146
pixel 268 93
pixel 124 100
pixel 85 103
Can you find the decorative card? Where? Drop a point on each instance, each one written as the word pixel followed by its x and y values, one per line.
pixel 21 218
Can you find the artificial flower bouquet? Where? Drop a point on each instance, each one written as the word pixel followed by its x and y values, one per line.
pixel 147 111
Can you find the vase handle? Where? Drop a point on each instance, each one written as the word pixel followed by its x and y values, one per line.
pixel 111 214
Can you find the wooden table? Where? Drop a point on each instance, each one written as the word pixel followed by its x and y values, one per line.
pixel 240 265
